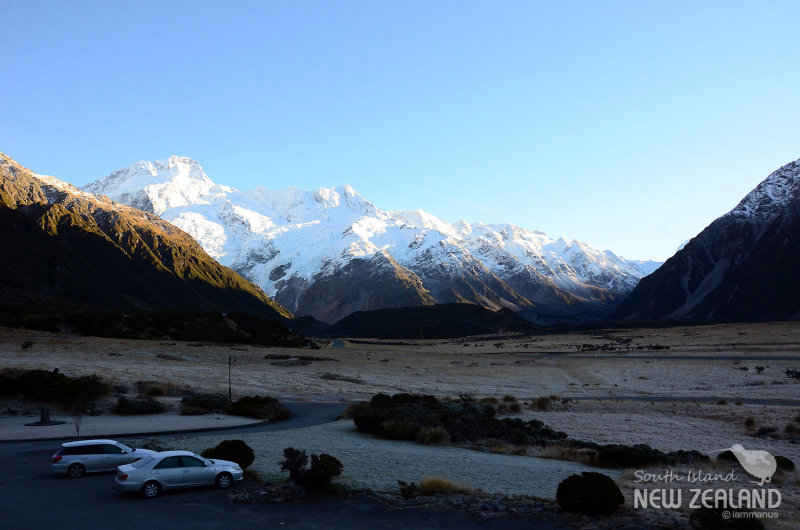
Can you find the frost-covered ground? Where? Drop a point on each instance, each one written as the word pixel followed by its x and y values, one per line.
pixel 377 464
pixel 711 364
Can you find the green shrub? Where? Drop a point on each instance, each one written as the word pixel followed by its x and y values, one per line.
pixel 750 423
pixel 509 399
pixel 155 391
pixel 52 386
pixel 408 491
pixel 188 410
pixel 138 406
pixel 399 430
pixel 403 416
pixel 432 435
pixel 233 450
pixel 589 493
pixel 262 408
pixel 206 402
pixel 713 519
pixel 627 456
pixel 514 408
pixel 314 477
pixel 784 463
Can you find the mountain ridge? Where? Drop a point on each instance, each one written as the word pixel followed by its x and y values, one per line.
pixel 61 243
pixel 741 267
pixel 288 240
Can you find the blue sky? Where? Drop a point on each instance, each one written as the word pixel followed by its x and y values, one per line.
pixel 626 125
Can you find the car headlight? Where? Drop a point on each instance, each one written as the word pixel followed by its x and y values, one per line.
pixel 237 468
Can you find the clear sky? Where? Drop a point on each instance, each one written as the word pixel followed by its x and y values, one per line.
pixel 627 125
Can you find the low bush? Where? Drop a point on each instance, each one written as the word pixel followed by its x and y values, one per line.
pixel 750 423
pixel 155 391
pixel 432 435
pixel 52 386
pixel 233 450
pixel 205 402
pixel 262 408
pixel 408 491
pixel 138 406
pixel 627 456
pixel 404 416
pixel 682 457
pixel 314 477
pixel 399 430
pixel 589 493
pixel 188 410
pixel 784 463
pixel 543 403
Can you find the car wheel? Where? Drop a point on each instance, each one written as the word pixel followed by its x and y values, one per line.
pixel 76 470
pixel 224 480
pixel 151 489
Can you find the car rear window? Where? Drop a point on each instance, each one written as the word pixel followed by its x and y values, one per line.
pixel 143 461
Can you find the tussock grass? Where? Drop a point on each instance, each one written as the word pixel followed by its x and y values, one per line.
pixel 440 485
pixel 573 454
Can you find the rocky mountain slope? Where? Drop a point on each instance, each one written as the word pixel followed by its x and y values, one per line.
pixel 742 267
pixel 65 249
pixel 330 252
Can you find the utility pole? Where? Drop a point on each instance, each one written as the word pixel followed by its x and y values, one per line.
pixel 230 393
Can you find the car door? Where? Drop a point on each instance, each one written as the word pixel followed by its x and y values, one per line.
pixel 195 472
pixel 113 457
pixel 92 458
pixel 169 471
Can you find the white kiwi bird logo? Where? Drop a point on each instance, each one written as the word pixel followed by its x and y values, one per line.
pixel 760 464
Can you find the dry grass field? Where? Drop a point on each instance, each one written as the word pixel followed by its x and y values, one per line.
pixel 721 374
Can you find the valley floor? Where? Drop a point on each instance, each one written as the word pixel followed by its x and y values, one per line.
pixel 672 388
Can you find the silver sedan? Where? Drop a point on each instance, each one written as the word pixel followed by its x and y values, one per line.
pixel 175 469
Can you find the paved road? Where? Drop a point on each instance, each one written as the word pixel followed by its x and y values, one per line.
pixel 33 498
pixel 304 414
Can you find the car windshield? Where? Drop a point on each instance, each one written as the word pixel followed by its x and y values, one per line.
pixel 143 461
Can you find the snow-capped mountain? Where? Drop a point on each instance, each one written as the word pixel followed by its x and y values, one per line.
pixel 330 252
pixel 743 266
pixel 66 249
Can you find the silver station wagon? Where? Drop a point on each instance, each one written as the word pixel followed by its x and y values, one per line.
pixel 91 456
pixel 175 469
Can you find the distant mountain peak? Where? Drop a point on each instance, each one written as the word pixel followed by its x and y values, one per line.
pixel 160 185
pixel 778 191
